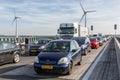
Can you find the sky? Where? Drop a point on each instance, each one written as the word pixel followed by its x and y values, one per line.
pixel 43 17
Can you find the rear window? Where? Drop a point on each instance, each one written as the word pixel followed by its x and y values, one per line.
pixel 80 41
pixel 92 39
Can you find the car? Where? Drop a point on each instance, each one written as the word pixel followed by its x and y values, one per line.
pixel 84 43
pixel 100 39
pixel 104 38
pixel 58 56
pixel 9 52
pixel 94 43
pixel 35 49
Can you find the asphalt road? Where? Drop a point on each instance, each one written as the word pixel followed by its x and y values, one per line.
pixel 107 66
pixel 24 69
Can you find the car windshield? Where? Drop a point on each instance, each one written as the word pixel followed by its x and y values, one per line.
pixel 57 47
pixel 80 41
pixel 92 39
pixel 42 41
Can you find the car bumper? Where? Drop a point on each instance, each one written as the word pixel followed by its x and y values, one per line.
pixel 34 51
pixel 94 46
pixel 62 69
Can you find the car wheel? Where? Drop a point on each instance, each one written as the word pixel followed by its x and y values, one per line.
pixel 30 54
pixel 79 63
pixel 16 58
pixel 85 52
pixel 69 68
pixel 90 49
pixel 37 70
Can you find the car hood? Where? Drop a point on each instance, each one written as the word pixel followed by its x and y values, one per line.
pixel 54 56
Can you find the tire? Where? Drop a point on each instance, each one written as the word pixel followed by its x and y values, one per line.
pixel 85 52
pixel 16 58
pixel 79 63
pixel 89 49
pixel 37 70
pixel 70 68
pixel 29 54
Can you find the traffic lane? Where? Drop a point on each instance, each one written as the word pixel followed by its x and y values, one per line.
pixel 78 71
pixel 25 59
pixel 107 67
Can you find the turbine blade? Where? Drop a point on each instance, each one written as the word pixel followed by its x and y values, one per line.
pixel 82 18
pixel 90 11
pixel 82 7
pixel 13 20
pixel 18 17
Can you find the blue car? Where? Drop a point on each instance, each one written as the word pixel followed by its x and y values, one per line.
pixel 58 56
pixel 84 43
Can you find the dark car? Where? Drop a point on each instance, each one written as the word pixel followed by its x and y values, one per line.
pixel 35 49
pixel 84 43
pixel 58 56
pixel 9 52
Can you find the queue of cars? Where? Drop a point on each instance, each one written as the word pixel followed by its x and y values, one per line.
pixel 60 56
pixel 57 56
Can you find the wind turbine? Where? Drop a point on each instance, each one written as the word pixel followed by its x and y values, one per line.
pixel 15 20
pixel 85 14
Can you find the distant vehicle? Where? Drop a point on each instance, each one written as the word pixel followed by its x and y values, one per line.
pixel 94 42
pixel 35 49
pixel 9 52
pixel 58 56
pixel 104 38
pixel 84 43
pixel 69 30
pixel 100 39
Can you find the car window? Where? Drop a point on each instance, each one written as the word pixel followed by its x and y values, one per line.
pixel 73 46
pixel 8 45
pixel 58 47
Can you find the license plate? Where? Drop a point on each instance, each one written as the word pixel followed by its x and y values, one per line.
pixel 47 67
pixel 33 51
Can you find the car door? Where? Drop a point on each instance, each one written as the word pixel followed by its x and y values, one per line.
pixel 74 52
pixel 7 51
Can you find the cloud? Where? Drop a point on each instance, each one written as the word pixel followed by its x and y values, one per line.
pixel 45 14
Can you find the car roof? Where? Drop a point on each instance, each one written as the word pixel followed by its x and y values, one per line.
pixel 63 40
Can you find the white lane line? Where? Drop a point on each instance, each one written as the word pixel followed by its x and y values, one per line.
pixel 90 70
pixel 117 43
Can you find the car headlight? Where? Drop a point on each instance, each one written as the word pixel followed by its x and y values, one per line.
pixel 63 60
pixel 42 47
pixel 36 60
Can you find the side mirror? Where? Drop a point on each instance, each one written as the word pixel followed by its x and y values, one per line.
pixel 87 42
pixel 74 50
pixel 58 31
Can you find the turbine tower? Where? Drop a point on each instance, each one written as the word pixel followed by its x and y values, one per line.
pixel 15 20
pixel 85 14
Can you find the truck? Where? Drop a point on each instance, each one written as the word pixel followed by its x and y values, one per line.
pixel 69 30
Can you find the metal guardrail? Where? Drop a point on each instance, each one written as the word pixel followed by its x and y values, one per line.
pixel 21 39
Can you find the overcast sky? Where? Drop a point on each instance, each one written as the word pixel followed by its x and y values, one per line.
pixel 42 17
